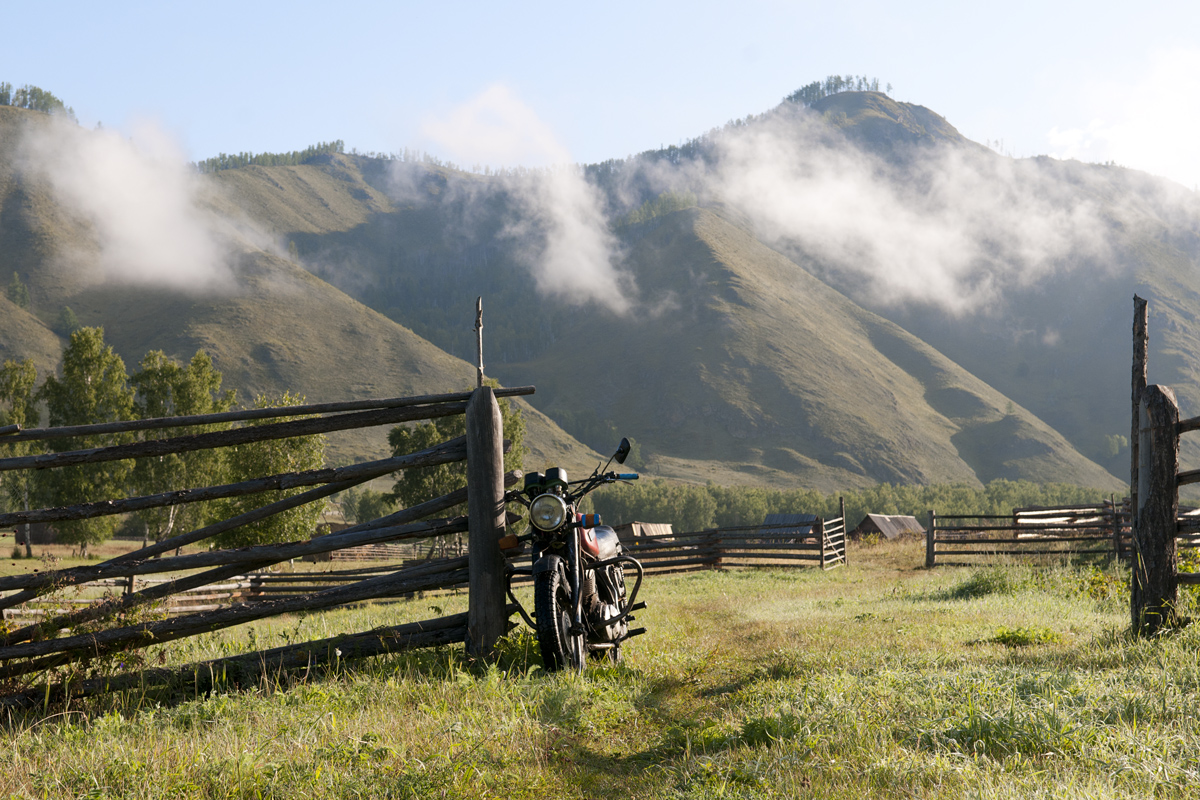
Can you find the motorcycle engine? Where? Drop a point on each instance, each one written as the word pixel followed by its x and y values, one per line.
pixel 604 593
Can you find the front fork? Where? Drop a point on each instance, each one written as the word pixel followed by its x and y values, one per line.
pixel 574 572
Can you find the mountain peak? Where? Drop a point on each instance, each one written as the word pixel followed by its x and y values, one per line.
pixel 878 121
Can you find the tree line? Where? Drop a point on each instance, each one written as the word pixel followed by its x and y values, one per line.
pixel 93 387
pixel 290 159
pixel 694 508
pixel 807 95
pixel 33 98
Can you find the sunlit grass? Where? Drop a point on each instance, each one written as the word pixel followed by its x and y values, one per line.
pixel 878 680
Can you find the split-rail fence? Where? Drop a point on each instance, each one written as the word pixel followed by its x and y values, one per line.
pixel 71 633
pixel 1064 532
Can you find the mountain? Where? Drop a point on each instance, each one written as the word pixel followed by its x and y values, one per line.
pixel 272 327
pixel 831 296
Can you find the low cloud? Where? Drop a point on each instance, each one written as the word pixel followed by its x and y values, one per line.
pixel 141 198
pixel 566 241
pixel 1147 124
pixel 955 226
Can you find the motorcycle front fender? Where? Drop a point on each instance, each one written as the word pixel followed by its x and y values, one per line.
pixel 549 562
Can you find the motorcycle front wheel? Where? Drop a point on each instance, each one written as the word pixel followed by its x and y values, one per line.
pixel 552 613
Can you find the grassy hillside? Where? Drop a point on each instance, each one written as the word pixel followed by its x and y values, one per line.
pixel 272 327
pixel 755 365
pixel 747 358
pixel 739 365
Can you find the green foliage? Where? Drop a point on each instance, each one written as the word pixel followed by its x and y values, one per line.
pixel 722 506
pixel 688 508
pixel 67 322
pixel 17 407
pixel 664 204
pixel 34 99
pixel 273 457
pixel 365 505
pixel 164 389
pixel 17 292
pixel 807 95
pixel 415 486
pixel 290 159
pixel 94 387
pixel 17 402
pixel 1024 637
pixel 1114 444
pixel 984 582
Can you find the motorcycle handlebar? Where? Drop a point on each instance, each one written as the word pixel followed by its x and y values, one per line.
pixel 627 476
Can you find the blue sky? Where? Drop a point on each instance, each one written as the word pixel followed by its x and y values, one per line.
pixel 1088 80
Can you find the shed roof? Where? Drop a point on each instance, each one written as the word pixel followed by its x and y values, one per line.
pixel 789 523
pixel 892 526
pixel 655 530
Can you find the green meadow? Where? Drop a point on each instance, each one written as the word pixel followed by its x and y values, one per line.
pixel 880 679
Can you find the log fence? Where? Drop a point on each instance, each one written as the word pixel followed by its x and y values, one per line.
pixel 774 546
pixel 1070 532
pixel 207 591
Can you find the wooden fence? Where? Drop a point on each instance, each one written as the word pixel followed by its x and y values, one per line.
pixel 69 598
pixel 1071 532
pixel 822 544
pixel 1159 527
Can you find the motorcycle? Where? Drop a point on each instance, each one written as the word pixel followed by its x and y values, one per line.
pixel 581 608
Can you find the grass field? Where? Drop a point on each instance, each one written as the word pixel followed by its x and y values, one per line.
pixel 882 679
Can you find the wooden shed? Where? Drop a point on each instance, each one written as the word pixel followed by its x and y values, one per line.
pixel 891 526
pixel 789 527
pixel 644 530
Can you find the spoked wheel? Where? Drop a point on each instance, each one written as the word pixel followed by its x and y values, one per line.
pixel 552 611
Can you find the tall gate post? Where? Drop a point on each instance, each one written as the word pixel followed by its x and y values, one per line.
pixel 845 532
pixel 1141 344
pixel 1153 586
pixel 930 534
pixel 487 618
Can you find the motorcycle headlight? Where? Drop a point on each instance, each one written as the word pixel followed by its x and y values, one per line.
pixel 547 512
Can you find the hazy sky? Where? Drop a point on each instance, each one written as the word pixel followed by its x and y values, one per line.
pixel 1091 80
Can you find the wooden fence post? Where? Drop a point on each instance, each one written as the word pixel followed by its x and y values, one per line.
pixel 1141 342
pixel 819 529
pixel 930 535
pixel 487 616
pixel 845 532
pixel 1116 527
pixel 1153 586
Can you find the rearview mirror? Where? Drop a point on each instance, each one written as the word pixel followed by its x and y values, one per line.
pixel 622 451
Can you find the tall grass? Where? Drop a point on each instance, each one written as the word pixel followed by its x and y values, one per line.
pixel 878 680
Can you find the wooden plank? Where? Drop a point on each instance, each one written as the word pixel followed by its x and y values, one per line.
pixel 487 621
pixel 444 453
pixel 1101 551
pixel 782 556
pixel 1107 538
pixel 158 423
pixel 1141 346
pixel 251 666
pixel 144 634
pixel 230 438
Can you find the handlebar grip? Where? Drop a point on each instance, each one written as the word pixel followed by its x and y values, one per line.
pixel 627 476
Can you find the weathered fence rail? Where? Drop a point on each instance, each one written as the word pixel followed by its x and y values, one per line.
pixel 781 546
pixel 1069 532
pixel 219 588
